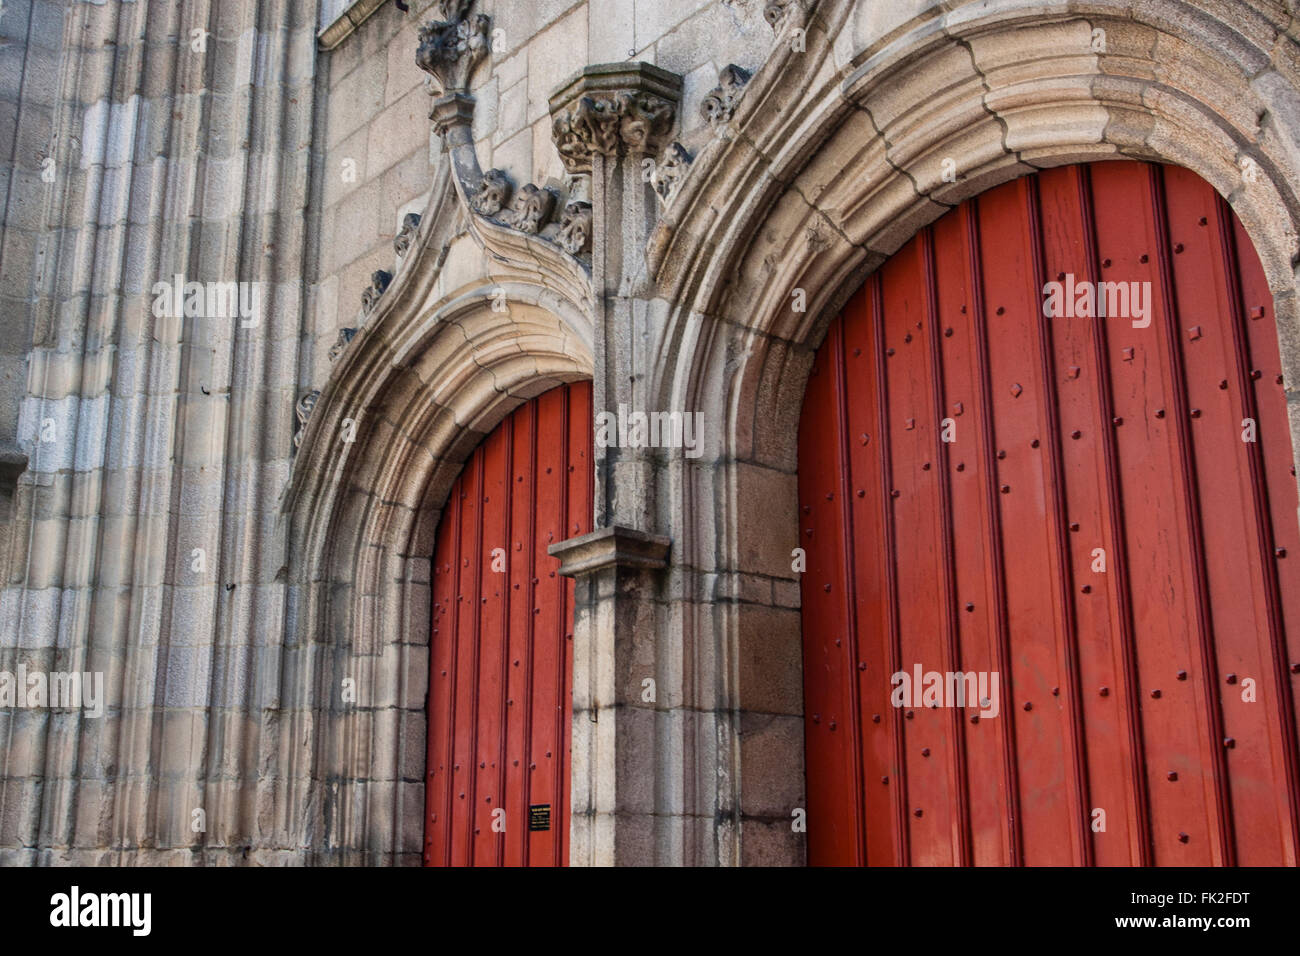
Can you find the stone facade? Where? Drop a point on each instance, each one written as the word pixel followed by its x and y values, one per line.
pixel 231 514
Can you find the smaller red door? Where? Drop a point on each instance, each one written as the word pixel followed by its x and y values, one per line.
pixel 501 667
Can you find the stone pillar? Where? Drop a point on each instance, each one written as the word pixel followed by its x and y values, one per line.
pixel 609 121
pixel 614 795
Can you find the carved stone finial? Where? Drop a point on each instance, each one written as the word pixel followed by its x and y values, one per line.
pixel 575 228
pixel 303 411
pixel 378 283
pixel 532 209
pixel 613 109
pixel 452 46
pixel 345 336
pixel 493 193
pixel 402 242
pixel 671 170
pixel 719 105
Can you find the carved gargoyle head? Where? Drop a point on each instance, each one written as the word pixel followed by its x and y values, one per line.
pixel 493 193
pixel 532 209
pixel 402 242
pixel 575 228
pixel 378 284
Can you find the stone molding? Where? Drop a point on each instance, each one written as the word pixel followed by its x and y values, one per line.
pixel 611 547
pixel 835 163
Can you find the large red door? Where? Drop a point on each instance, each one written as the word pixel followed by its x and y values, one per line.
pixel 1067 502
pixel 501 663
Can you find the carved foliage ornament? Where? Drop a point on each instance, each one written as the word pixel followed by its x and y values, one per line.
pixel 378 283
pixel 719 106
pixel 402 243
pixel 532 209
pixel 671 170
pixel 303 411
pixel 610 124
pixel 493 193
pixel 575 228
pixel 341 343
pixel 451 47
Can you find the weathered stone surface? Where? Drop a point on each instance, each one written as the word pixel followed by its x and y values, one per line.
pixel 164 517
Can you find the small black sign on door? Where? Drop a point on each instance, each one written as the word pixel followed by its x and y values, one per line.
pixel 539 817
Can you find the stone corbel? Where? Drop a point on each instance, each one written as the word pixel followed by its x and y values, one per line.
pixel 609 548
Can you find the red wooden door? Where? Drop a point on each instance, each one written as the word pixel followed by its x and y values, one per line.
pixel 1096 531
pixel 501 666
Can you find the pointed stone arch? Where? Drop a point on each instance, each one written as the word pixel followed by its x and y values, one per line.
pixel 832 161
pixel 459 339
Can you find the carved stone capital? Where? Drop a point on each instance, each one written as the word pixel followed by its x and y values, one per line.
pixel 613 109
pixel 451 46
pixel 575 228
pixel 719 105
pixel 402 242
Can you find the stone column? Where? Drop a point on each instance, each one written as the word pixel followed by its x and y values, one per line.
pixel 608 121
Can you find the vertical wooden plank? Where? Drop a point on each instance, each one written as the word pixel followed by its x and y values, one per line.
pixel 1013 377
pixel 1273 475
pixel 872 648
pixel 491 606
pixel 523 432
pixel 500 697
pixel 917 555
pixel 1113 775
pixel 834 837
pixel 991 529
pixel 974 587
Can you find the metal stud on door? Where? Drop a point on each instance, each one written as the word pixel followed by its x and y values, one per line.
pixel 501 665
pixel 1045 458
